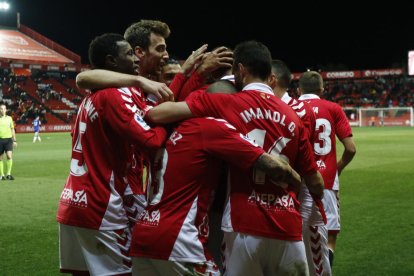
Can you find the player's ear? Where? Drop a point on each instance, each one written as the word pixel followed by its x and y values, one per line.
pixel 139 52
pixel 272 80
pixel 110 62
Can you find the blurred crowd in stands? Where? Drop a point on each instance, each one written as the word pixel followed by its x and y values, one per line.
pixel 396 91
pixel 25 105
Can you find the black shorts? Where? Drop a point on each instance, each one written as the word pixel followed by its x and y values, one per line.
pixel 6 144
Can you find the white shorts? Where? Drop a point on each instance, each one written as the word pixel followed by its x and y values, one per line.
pixel 155 267
pixel 331 204
pixel 315 239
pixel 99 252
pixel 252 255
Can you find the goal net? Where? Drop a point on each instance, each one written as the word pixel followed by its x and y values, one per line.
pixel 392 116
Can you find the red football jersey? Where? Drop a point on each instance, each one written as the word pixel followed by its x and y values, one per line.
pixel 305 113
pixel 275 127
pixel 108 122
pixel 331 121
pixel 174 225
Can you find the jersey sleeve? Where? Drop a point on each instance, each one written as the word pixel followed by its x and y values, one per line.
pixel 342 127
pixel 177 84
pixel 222 140
pixel 195 82
pixel 305 163
pixel 125 118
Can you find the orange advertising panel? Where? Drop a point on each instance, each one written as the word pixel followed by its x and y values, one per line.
pixel 15 45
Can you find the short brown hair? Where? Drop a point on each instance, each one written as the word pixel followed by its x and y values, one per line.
pixel 138 34
pixel 310 82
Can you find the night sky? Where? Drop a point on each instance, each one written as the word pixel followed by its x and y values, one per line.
pixel 346 36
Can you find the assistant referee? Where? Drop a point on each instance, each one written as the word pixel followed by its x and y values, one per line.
pixel 7 142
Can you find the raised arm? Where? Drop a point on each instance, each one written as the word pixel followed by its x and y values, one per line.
pixel 99 79
pixel 348 154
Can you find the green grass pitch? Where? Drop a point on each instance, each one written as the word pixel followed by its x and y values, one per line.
pixel 377 205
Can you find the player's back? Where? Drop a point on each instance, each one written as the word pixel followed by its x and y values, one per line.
pixel 330 122
pixel 185 174
pixel 275 127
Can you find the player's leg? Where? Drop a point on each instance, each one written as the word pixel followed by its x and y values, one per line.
pixel 331 205
pixel 71 259
pixel 243 254
pixel 315 239
pixel 2 151
pixel 9 162
pixel 35 137
pixel 155 267
pixel 285 257
pixel 103 252
pixel 38 137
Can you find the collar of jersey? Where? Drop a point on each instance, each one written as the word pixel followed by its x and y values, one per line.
pixel 308 97
pixel 286 98
pixel 260 87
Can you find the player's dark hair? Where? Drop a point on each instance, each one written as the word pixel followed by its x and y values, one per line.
pixel 255 57
pixel 282 72
pixel 102 46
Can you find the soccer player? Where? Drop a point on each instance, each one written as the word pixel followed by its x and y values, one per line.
pixel 262 224
pixel 171 68
pixel 148 39
pixel 7 142
pixel 315 234
pixel 36 127
pixel 93 225
pixel 170 236
pixel 331 122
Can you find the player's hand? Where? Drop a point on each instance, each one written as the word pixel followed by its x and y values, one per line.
pixel 158 89
pixel 219 58
pixel 193 60
pixel 14 144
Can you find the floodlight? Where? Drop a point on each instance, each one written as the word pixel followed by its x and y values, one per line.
pixel 4 6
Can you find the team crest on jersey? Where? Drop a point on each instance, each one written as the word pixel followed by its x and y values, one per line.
pixel 150 218
pixel 141 122
pixel 75 198
pixel 264 96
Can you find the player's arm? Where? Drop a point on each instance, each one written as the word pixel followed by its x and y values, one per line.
pixel 99 79
pixel 348 154
pixel 13 131
pixel 124 118
pixel 278 169
pixel 315 184
pixel 169 112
